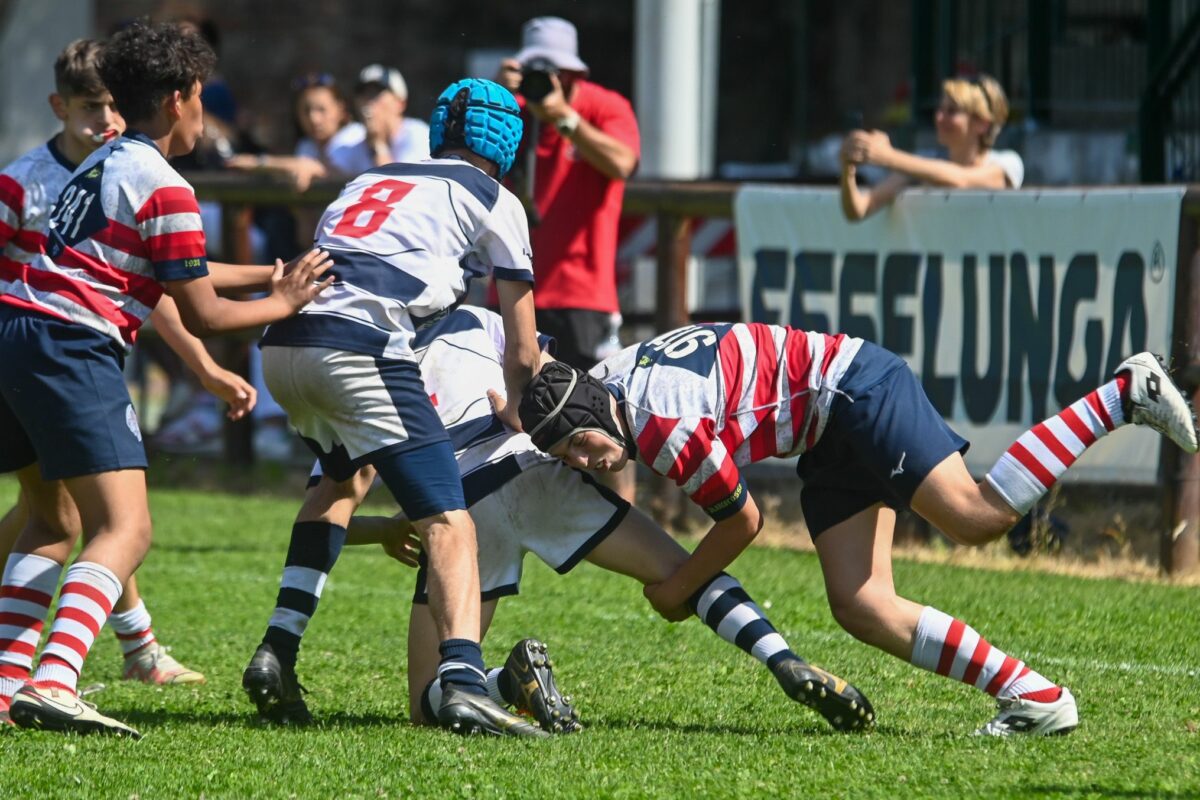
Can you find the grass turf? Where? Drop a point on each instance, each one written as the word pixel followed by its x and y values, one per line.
pixel 670 709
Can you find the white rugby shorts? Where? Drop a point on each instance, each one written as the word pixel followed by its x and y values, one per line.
pixel 557 513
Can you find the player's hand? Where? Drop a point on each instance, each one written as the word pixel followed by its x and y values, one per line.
pixel 553 106
pixel 506 410
pixel 509 75
pixel 296 282
pixel 233 389
pixel 669 607
pixel 405 545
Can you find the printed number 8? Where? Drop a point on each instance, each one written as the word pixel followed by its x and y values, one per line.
pixel 376 200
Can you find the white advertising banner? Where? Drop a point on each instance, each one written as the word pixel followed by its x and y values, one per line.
pixel 1007 305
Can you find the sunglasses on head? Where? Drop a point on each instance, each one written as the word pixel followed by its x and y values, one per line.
pixel 312 79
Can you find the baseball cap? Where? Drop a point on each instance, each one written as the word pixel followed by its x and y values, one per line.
pixel 385 78
pixel 551 38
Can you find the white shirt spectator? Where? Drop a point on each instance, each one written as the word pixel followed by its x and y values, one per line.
pixel 1010 162
pixel 352 156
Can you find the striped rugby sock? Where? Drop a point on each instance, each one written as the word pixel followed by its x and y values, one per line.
pixel 133 628
pixel 1034 462
pixel 954 649
pixel 88 594
pixel 314 549
pixel 723 605
pixel 26 593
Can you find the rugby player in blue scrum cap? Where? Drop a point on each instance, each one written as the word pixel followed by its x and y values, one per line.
pixel 406 239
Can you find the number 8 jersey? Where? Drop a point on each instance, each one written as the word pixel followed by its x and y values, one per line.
pixel 704 400
pixel 406 240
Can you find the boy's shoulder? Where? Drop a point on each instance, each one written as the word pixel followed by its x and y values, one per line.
pixel 38 164
pixel 138 167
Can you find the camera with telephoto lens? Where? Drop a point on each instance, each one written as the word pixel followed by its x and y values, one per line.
pixel 535 79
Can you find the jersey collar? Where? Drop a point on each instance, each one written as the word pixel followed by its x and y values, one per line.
pixel 52 146
pixel 138 136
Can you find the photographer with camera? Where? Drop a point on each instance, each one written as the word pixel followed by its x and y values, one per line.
pixel 586 145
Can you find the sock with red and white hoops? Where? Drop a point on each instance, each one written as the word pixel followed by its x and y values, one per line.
pixel 133 628
pixel 26 592
pixel 89 592
pixel 1034 462
pixel 954 649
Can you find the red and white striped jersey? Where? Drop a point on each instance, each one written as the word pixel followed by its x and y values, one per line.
pixel 28 188
pixel 704 400
pixel 125 222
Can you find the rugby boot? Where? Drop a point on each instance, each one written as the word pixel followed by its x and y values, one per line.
pixel 52 709
pixel 465 713
pixel 1155 401
pixel 153 664
pixel 5 719
pixel 842 705
pixel 274 690
pixel 1017 716
pixel 531 672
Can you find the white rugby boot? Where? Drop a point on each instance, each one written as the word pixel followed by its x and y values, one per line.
pixel 1017 716
pixel 1155 401
pixel 53 709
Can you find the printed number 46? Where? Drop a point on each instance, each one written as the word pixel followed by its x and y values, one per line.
pixel 685 341
pixel 376 203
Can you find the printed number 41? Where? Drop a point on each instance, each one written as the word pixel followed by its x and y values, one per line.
pixel 376 202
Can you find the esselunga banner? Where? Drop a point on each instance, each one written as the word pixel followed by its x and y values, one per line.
pixel 1009 306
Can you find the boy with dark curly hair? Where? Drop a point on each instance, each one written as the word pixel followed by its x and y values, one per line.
pixel 124 230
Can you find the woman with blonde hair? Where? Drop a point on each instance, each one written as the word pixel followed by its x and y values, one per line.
pixel 968 120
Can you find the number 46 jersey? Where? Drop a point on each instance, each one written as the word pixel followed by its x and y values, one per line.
pixel 704 400
pixel 406 240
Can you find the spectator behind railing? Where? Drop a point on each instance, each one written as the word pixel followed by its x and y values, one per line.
pixel 968 120
pixel 380 99
pixel 323 118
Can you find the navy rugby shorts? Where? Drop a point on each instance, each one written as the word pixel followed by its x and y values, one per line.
pixel 63 399
pixel 883 437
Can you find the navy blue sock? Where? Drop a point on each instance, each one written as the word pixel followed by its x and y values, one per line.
pixel 313 551
pixel 462 666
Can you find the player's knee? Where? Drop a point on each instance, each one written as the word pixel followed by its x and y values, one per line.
pixel 859 613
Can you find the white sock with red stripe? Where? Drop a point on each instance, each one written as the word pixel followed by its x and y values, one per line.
pixel 89 592
pixel 26 592
pixel 133 628
pixel 952 648
pixel 1038 459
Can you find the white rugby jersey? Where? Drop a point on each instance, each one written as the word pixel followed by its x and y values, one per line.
pixel 462 356
pixel 28 188
pixel 704 400
pixel 406 240
pixel 124 222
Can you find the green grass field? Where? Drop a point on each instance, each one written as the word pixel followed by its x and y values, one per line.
pixel 670 710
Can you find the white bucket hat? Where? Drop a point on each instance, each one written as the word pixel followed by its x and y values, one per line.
pixel 551 38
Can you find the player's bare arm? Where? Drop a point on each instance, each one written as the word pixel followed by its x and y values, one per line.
pixel 228 386
pixel 204 313
pixel 522 355
pixel 723 543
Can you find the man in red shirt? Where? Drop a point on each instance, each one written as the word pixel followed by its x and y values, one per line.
pixel 587 146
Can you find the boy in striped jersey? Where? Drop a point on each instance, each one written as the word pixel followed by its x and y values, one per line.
pixel 697 403
pixel 28 187
pixel 522 501
pixel 124 230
